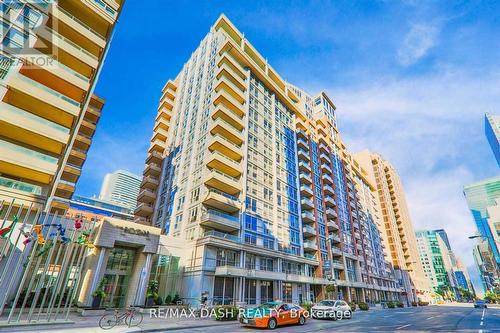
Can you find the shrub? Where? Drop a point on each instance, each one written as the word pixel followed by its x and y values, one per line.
pixel 99 292
pixel 353 306
pixel 168 300
pixel 176 299
pixel 414 303
pixel 420 303
pixel 226 312
pixel 390 305
pixel 363 306
pixel 400 305
pixel 377 302
pixel 330 288
pixel 307 306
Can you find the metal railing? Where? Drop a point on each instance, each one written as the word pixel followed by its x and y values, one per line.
pixel 49 90
pixel 19 185
pixel 76 19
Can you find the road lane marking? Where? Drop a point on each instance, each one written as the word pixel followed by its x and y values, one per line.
pixel 400 327
pixel 482 316
pixel 431 317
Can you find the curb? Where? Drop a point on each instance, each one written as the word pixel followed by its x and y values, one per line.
pixel 177 328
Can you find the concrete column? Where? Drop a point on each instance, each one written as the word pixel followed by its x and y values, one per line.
pixel 139 281
pixel 349 294
pixel 99 271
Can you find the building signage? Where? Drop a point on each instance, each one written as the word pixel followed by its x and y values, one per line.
pixel 134 231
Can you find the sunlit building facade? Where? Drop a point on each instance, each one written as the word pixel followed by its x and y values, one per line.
pixel 397 227
pixel 251 173
pixel 50 58
pixel 492 132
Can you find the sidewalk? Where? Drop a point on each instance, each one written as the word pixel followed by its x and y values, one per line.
pixel 79 324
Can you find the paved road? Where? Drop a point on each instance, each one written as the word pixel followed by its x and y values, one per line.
pixel 421 319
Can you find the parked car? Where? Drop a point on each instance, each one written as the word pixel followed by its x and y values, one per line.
pixel 273 314
pixel 331 309
pixel 479 304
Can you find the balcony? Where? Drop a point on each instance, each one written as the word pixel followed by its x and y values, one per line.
pixel 160 134
pixel 154 157
pixel 220 220
pixel 332 225
pixel 302 154
pixel 222 235
pixel 222 182
pixel 43 100
pixel 225 84
pixel 144 209
pixel 82 141
pixel 324 158
pixel 146 195
pixel 65 189
pixel 227 131
pixel 80 27
pixel 223 145
pixel 308 231
pixel 326 168
pixel 71 172
pixel 337 264
pixel 307 203
pixel 237 77
pixel 227 165
pixel 28 128
pixel 51 36
pixel 302 143
pixel 327 179
pixel 150 182
pixel 157 146
pixel 307 217
pixel 331 213
pixel 163 113
pixel 222 201
pixel 305 178
pixel 306 190
pixel 20 186
pixel 304 166
pixel 310 246
pixel 161 123
pixel 87 127
pixel 324 148
pixel 328 190
pixel 329 201
pixel 26 163
pixel 152 169
pixel 336 251
pixel 228 116
pixel 334 238
pixel 223 97
pixel 77 156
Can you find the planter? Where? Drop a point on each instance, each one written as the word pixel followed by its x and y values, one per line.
pixel 96 302
pixel 150 301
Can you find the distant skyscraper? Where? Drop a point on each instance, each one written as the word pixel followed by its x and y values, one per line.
pixel 121 187
pixel 492 131
pixel 444 237
pixel 479 197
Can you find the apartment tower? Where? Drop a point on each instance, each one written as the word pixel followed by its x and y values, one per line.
pixel 50 58
pixel 398 230
pixel 250 172
pixel 121 187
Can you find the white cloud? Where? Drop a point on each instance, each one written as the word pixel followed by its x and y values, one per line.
pixel 417 42
pixel 431 129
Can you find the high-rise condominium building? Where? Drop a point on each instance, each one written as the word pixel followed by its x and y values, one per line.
pixel 251 174
pixel 121 187
pixel 397 225
pixel 480 196
pixel 438 261
pixel 492 131
pixel 50 57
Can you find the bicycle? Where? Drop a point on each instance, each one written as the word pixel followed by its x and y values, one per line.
pixel 130 317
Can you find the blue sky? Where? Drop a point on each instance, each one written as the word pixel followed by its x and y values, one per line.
pixel 411 80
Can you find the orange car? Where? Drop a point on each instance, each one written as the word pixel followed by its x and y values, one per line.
pixel 273 314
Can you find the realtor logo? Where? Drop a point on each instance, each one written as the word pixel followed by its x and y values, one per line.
pixel 28 31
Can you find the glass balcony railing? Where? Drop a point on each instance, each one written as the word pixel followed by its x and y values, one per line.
pixel 223 235
pixel 21 114
pixel 223 215
pixel 49 90
pixel 225 175
pixel 55 33
pixel 21 186
pixel 28 152
pixel 224 194
pixel 83 24
pixel 107 8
